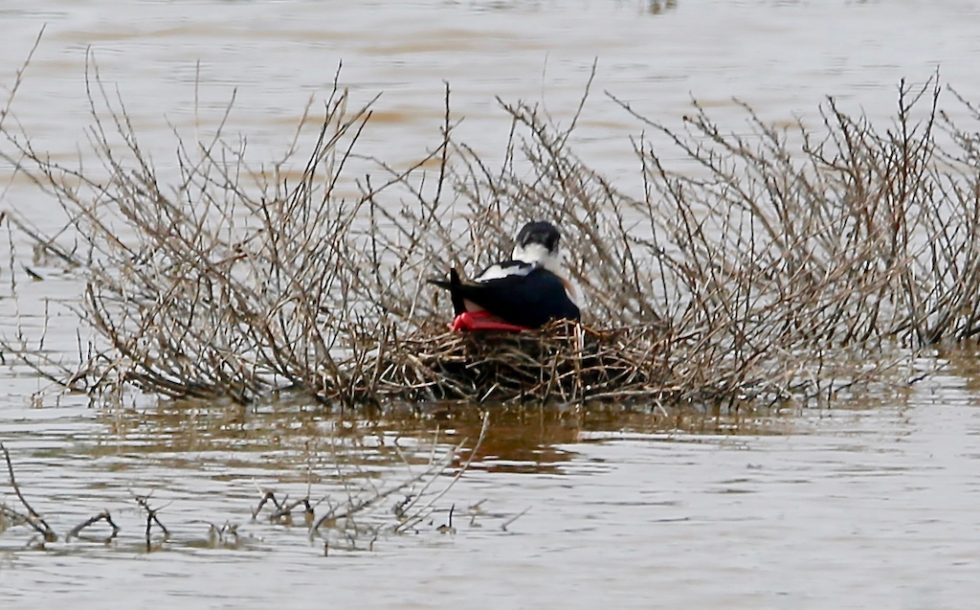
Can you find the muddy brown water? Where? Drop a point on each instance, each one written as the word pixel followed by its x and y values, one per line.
pixel 871 503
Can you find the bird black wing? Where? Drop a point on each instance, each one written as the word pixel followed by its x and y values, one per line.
pixel 527 299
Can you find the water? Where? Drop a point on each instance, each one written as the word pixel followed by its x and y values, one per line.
pixel 871 503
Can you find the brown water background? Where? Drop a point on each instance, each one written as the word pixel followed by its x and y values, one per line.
pixel 872 503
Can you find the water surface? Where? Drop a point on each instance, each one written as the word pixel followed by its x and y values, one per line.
pixel 870 503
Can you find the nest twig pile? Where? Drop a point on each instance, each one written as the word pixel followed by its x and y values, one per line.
pixel 563 361
pixel 749 277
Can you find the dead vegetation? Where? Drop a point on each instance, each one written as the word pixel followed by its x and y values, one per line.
pixel 764 271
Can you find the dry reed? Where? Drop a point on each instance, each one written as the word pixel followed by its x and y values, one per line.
pixel 764 273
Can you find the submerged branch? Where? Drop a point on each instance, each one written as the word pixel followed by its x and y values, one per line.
pixel 32 518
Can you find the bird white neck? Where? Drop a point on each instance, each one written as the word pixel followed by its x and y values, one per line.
pixel 537 254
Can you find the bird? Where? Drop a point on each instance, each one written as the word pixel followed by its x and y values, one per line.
pixel 525 292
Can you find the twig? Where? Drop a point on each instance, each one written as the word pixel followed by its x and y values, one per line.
pixel 32 518
pixel 506 524
pixel 103 516
pixel 151 518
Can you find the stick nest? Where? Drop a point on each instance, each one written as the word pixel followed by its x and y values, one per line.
pixel 563 361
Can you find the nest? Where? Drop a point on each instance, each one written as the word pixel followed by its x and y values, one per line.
pixel 563 361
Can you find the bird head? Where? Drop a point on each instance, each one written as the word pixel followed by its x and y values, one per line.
pixel 537 243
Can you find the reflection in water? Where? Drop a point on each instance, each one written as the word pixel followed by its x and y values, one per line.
pixel 962 369
pixel 183 449
pixel 655 7
pixel 520 438
pixel 219 459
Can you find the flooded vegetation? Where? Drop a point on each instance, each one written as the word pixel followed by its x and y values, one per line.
pixel 227 381
pixel 763 275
